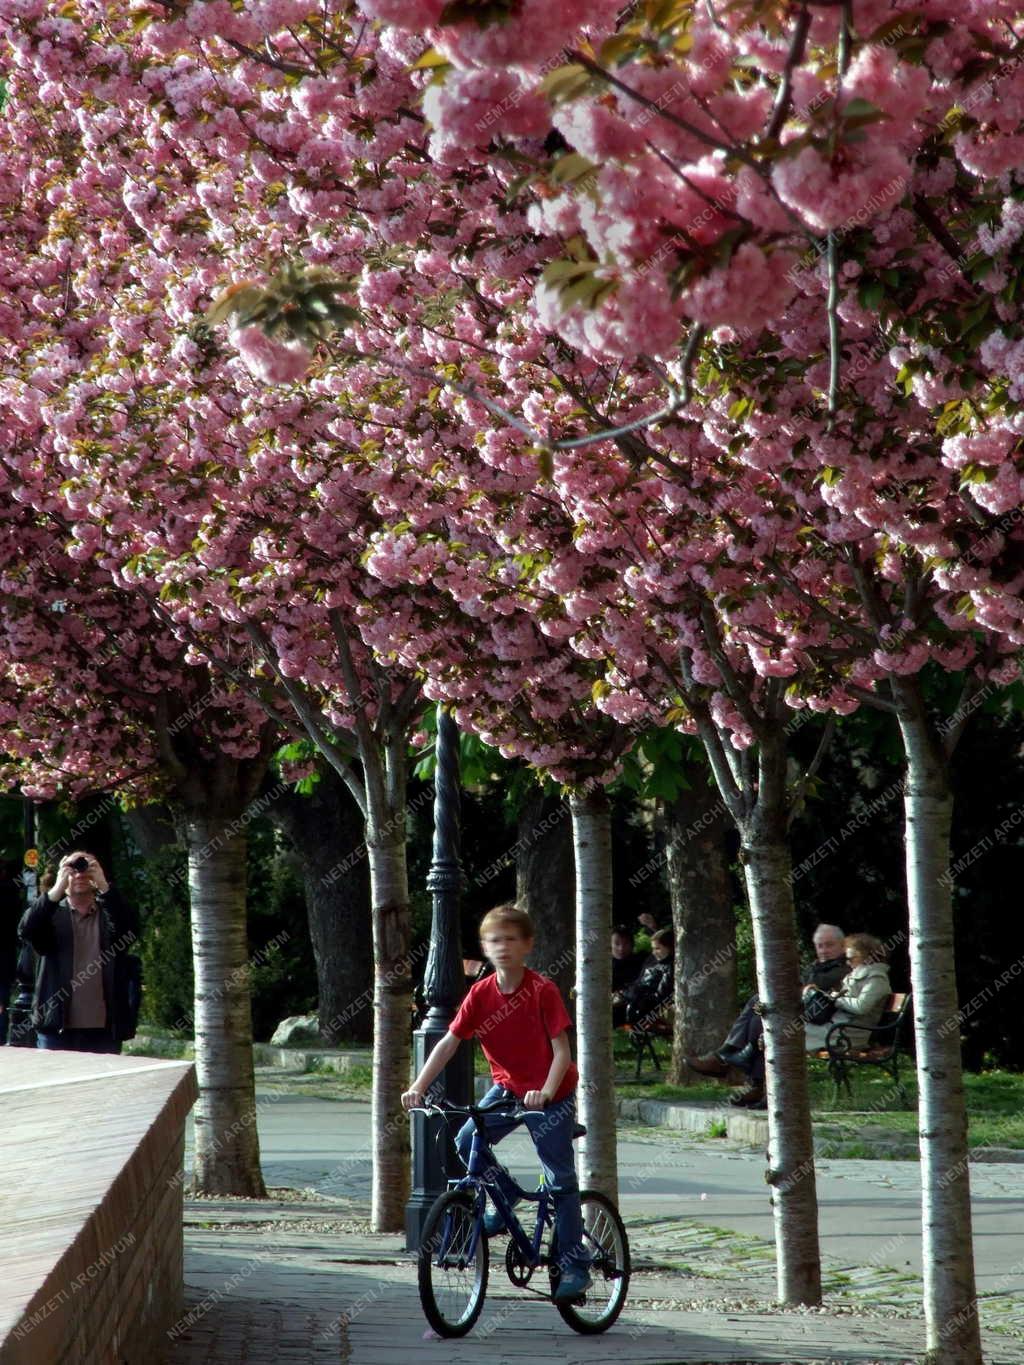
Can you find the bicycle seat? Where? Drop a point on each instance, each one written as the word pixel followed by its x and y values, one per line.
pixel 578 1131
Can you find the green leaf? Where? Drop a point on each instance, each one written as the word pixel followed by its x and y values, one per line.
pixel 573 166
pixel 565 82
pixel 858 113
pixel 237 298
pixel 870 293
pixel 584 291
pixel 557 272
pixel 430 60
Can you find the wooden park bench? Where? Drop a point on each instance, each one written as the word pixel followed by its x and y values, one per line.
pixel 847 1047
pixel 657 1025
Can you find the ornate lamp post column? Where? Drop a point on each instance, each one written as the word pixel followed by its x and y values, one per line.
pixel 30 875
pixel 433 1153
pixel 20 1032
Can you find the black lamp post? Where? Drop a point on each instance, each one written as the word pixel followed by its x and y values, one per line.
pixel 433 1152
pixel 20 1031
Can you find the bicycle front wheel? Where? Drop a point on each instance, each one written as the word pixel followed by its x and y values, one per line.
pixel 605 1239
pixel 452 1283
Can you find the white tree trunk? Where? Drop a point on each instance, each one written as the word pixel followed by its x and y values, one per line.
pixel 758 800
pixel 592 841
pixel 701 896
pixel 950 1303
pixel 227 1151
pixel 392 1007
pixel 790 1173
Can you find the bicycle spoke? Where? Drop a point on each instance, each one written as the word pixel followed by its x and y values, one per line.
pixel 604 1238
pixel 452 1272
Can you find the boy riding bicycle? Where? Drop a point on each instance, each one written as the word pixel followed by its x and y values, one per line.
pixel 521 1021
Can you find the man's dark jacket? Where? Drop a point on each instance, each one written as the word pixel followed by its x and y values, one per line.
pixel 625 971
pixel 826 975
pixel 653 987
pixel 47 926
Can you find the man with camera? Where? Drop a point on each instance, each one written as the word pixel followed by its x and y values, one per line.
pixel 87 984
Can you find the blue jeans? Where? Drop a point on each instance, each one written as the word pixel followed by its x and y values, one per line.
pixel 551 1130
pixel 78 1040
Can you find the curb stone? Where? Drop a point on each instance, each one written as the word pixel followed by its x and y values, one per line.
pixel 751 1130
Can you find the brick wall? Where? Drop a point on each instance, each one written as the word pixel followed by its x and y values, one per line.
pixel 100 1213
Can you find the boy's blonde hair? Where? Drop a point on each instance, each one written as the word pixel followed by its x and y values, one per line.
pixel 507 916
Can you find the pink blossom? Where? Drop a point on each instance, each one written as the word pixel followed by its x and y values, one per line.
pixel 531 34
pixel 899 89
pixel 862 182
pixel 266 358
pixel 471 108
pixel 749 292
pixel 410 14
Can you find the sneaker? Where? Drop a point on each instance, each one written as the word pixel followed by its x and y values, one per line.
pixel 572 1285
pixel 494 1223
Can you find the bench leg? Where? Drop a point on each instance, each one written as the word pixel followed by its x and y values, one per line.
pixel 840 1079
pixel 654 1055
pixel 898 1086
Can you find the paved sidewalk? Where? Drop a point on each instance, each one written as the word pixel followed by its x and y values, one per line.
pixel 301 1281
pixel 288 1283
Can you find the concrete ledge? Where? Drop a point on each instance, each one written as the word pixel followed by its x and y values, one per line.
pixel 311 1058
pixel 751 1128
pixel 91 1223
pixel 740 1125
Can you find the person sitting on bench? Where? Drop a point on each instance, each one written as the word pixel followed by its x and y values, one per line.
pixel 653 988
pixel 626 967
pixel 860 998
pixel 742 1045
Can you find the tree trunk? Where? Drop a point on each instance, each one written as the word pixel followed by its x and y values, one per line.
pixel 950 1304
pixel 392 1006
pixel 592 839
pixel 700 891
pixel 326 829
pixel 227 1151
pixel 152 827
pixel 545 886
pixel 790 1175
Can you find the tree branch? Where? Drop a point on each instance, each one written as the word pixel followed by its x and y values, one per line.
pixel 925 214
pixel 794 57
pixel 809 772
pixel 339 760
pixel 870 698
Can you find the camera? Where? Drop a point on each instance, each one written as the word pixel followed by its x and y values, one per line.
pixel 79 864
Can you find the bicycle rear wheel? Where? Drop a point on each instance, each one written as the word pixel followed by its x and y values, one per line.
pixel 605 1239
pixel 452 1285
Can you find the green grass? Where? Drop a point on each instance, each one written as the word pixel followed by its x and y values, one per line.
pixel 995 1099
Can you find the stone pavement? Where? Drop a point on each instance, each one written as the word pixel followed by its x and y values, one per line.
pixel 305 1283
pixel 300 1279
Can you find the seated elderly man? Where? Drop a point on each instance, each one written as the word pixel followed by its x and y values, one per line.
pixel 859 1000
pixel 742 1046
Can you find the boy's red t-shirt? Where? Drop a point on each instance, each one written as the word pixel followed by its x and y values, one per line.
pixel 515 1031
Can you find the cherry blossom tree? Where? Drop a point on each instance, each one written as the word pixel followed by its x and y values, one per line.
pixel 681 240
pixel 711 148
pixel 96 696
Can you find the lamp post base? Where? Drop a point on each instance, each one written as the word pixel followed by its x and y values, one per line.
pixel 434 1159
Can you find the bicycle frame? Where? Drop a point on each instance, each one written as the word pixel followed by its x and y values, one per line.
pixel 481 1156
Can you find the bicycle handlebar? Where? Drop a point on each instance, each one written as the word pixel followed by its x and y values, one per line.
pixel 511 1107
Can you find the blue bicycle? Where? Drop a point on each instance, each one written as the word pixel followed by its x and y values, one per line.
pixel 454 1254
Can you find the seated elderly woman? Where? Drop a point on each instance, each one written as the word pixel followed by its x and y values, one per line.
pixel 860 997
